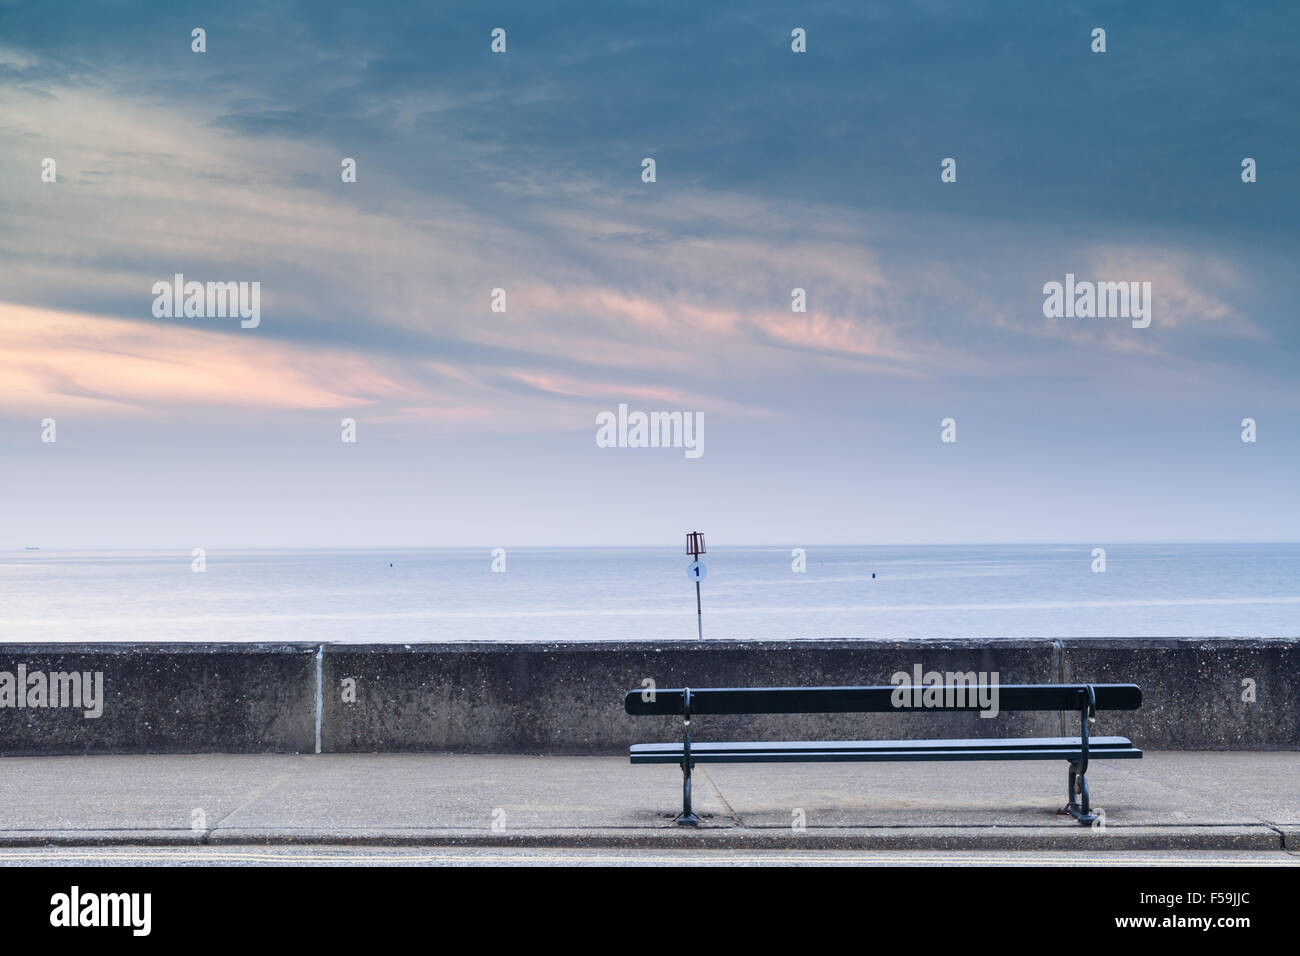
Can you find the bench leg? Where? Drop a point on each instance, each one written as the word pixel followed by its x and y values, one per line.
pixel 1080 809
pixel 687 817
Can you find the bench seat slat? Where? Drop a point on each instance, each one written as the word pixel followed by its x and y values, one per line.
pixel 1041 748
pixel 977 743
pixel 892 756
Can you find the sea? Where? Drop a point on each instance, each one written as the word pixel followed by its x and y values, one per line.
pixel 615 594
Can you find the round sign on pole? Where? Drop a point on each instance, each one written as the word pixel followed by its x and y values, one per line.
pixel 697 571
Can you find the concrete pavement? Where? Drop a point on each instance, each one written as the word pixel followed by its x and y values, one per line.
pixel 1188 801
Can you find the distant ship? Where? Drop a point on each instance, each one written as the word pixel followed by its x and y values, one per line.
pixel 31 547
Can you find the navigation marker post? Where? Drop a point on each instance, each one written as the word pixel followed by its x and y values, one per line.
pixel 697 572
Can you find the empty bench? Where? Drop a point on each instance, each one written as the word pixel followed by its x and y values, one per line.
pixel 689 703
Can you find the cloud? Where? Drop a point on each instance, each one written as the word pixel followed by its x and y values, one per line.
pixel 478 172
pixel 1188 289
pixel 59 360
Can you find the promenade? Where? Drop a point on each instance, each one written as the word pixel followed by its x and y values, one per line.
pixel 1237 802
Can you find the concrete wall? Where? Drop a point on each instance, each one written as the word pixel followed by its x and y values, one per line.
pixel 1192 690
pixel 167 698
pixel 567 698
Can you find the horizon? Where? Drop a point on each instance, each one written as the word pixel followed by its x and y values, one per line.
pixel 643 546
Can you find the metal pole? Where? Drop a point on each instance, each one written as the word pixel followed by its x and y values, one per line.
pixel 699 614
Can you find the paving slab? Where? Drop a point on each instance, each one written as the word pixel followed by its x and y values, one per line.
pixel 130 793
pixel 1182 801
pixel 1265 785
pixel 347 792
pixel 967 794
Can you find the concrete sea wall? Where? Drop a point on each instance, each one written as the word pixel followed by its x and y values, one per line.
pixel 567 698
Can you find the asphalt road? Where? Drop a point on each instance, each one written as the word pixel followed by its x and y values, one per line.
pixel 511 857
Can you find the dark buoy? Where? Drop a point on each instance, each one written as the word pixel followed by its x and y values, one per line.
pixel 873 574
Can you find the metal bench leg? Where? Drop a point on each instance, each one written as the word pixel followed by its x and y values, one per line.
pixel 687 817
pixel 1081 809
pixel 1077 792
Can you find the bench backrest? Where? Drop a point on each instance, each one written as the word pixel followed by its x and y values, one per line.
pixel 862 700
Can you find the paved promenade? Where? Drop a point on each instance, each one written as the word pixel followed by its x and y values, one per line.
pixel 1231 802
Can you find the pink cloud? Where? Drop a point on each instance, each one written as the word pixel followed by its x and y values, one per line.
pixel 60 359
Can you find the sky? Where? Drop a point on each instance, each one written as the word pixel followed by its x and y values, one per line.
pixel 523 171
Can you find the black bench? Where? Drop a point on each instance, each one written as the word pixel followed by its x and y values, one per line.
pixel 1087 699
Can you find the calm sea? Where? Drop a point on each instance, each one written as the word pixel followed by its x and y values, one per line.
pixel 408 596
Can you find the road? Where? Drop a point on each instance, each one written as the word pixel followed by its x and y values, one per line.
pixel 324 855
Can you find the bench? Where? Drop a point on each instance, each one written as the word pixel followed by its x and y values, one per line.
pixel 688 703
